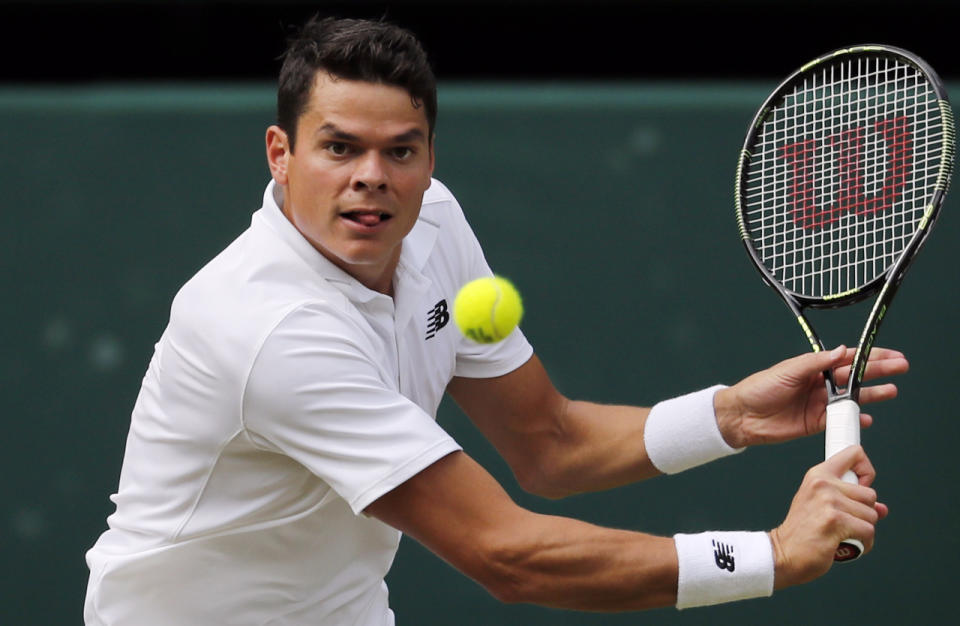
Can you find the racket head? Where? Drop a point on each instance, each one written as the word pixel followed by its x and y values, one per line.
pixel 842 174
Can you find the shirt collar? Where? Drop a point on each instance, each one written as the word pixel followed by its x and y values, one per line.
pixel 417 246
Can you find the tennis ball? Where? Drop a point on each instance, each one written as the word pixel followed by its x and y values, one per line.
pixel 487 309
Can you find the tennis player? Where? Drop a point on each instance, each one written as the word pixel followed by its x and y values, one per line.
pixel 285 433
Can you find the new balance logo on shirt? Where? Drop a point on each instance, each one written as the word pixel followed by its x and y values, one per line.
pixel 437 318
pixel 723 555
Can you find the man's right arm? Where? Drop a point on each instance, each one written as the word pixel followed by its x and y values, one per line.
pixel 458 511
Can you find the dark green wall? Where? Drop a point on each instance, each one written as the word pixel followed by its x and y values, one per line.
pixel 611 208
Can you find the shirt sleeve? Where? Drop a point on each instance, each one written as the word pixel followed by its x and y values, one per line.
pixel 317 394
pixel 477 360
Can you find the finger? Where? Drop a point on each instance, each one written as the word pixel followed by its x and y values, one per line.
pixel 812 363
pixel 878 393
pixel 876 368
pixel 882 510
pixel 876 353
pixel 859 513
pixel 864 469
pixel 866 420
pixel 860 499
pixel 886 353
pixel 858 528
pixel 870 536
pixel 854 459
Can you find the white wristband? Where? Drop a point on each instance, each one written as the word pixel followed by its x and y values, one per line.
pixel 720 567
pixel 682 432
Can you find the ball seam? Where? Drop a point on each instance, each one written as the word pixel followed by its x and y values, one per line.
pixel 493 312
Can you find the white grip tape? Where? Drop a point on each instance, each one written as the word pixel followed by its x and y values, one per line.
pixel 723 566
pixel 843 430
pixel 682 432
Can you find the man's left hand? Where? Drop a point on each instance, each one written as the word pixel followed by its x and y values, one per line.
pixel 789 400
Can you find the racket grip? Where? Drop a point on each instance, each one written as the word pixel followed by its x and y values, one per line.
pixel 843 431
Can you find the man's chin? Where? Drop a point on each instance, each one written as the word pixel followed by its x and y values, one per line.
pixel 365 254
pixel 364 258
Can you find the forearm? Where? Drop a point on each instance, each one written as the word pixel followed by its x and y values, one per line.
pixel 458 511
pixel 591 447
pixel 565 563
pixel 616 445
pixel 557 447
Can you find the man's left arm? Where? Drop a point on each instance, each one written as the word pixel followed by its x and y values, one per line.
pixel 555 446
pixel 558 447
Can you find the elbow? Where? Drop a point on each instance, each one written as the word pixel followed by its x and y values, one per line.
pixel 505 592
pixel 546 464
pixel 502 573
pixel 542 479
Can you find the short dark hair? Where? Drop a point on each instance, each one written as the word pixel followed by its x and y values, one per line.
pixel 353 49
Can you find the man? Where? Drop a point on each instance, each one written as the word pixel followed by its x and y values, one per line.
pixel 285 431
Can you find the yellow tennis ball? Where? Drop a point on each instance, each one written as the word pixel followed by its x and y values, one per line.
pixel 487 309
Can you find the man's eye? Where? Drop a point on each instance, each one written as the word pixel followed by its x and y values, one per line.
pixel 337 148
pixel 402 153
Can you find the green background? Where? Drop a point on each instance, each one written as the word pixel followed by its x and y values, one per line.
pixel 610 206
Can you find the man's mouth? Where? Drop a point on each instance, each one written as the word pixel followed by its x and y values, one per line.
pixel 366 217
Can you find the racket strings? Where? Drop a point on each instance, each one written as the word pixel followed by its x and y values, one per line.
pixel 841 172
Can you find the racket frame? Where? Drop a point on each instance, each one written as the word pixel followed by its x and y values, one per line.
pixel 887 282
pixel 843 427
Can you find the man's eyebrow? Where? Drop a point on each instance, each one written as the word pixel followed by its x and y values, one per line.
pixel 332 130
pixel 414 134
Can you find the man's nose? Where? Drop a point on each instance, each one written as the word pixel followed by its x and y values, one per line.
pixel 370 173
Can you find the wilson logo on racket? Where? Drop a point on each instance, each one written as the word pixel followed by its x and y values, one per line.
pixel 849 171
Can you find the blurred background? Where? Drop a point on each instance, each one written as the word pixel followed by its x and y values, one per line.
pixel 592 145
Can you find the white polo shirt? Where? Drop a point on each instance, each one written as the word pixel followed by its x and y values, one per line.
pixel 282 399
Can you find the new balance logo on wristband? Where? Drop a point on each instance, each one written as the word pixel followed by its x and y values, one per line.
pixel 437 318
pixel 723 555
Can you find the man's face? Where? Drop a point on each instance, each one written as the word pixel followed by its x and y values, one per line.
pixel 354 185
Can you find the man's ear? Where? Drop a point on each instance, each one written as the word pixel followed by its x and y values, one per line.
pixel 278 153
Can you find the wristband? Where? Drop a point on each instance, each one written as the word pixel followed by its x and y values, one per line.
pixel 682 432
pixel 720 567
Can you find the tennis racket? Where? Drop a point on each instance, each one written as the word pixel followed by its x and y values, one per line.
pixel 840 180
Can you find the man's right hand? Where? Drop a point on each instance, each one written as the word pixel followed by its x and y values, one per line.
pixel 825 511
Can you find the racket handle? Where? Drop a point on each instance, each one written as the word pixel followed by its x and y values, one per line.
pixel 843 431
